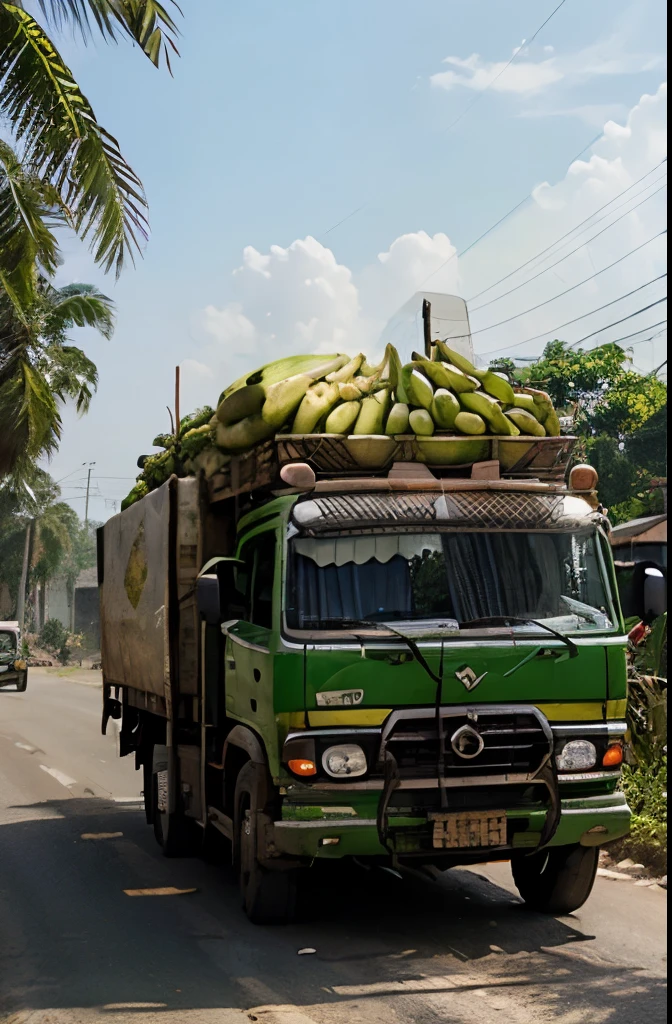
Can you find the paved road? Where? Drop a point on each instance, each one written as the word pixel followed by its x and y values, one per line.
pixel 75 949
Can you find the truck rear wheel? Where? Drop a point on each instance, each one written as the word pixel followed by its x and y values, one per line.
pixel 176 834
pixel 22 683
pixel 558 880
pixel 269 897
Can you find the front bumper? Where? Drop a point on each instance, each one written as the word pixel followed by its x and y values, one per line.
pixel 588 821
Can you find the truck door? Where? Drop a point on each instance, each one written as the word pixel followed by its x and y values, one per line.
pixel 248 658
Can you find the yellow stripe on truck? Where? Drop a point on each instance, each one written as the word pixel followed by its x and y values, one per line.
pixel 580 711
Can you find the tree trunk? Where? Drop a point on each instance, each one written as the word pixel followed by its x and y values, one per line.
pixel 37 603
pixel 21 600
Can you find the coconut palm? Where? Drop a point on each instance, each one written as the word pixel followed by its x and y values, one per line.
pixel 36 532
pixel 62 142
pixel 40 370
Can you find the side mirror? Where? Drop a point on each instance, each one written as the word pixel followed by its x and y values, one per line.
pixel 649 591
pixel 655 594
pixel 217 591
pixel 207 596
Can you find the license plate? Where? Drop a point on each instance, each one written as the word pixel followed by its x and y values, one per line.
pixel 468 829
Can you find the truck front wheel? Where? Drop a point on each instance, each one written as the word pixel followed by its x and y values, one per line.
pixel 558 880
pixel 269 897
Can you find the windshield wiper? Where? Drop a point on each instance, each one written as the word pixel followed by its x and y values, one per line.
pixel 346 623
pixel 513 620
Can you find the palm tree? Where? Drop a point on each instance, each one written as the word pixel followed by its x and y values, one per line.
pixel 36 531
pixel 63 143
pixel 40 371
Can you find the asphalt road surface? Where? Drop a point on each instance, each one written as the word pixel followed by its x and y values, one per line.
pixel 75 948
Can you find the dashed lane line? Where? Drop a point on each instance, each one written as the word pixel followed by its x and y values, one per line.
pixel 61 777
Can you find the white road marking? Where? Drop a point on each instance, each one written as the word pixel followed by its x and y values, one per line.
pixel 25 746
pixel 61 777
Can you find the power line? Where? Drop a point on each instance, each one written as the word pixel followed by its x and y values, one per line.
pixel 571 289
pixel 552 330
pixel 587 241
pixel 479 96
pixel 583 316
pixel 635 333
pixel 652 337
pixel 616 322
pixel 458 255
pixel 572 230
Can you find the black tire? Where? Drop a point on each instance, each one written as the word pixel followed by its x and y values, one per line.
pixel 177 835
pixel 269 897
pixel 22 684
pixel 558 880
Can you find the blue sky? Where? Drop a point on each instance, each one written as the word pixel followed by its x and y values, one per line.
pixel 283 119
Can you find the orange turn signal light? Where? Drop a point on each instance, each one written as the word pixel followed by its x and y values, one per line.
pixel 302 766
pixel 613 756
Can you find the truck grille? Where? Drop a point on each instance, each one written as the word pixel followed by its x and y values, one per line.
pixel 496 742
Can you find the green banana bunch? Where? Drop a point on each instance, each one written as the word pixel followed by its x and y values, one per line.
pixel 338 395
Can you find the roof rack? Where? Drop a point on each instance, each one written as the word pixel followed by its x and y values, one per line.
pixel 335 456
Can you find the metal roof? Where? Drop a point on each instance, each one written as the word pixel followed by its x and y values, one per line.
pixel 635 527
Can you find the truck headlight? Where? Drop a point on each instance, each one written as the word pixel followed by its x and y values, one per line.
pixel 576 756
pixel 345 759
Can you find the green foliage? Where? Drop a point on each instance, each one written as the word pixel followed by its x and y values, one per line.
pixel 645 788
pixel 620 418
pixel 53 635
pixel 55 531
pixel 82 551
pixel 40 371
pixel 647 694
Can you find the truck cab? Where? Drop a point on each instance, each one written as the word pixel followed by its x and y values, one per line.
pixel 418 667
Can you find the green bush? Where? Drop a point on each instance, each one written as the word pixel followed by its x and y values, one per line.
pixel 645 788
pixel 55 637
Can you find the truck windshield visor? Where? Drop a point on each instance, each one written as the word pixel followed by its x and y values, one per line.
pixel 556 578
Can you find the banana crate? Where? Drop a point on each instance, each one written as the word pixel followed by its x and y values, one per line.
pixel 338 455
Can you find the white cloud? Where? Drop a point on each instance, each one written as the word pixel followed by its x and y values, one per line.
pixel 228 325
pixel 527 76
pixel 523 76
pixel 301 299
pixel 625 153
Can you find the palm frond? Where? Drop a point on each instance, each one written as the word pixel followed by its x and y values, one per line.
pixel 147 22
pixel 71 374
pixel 80 305
pixel 47 111
pixel 29 416
pixel 29 210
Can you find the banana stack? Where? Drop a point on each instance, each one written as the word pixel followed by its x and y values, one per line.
pixel 444 395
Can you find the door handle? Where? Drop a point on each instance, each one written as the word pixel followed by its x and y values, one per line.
pixel 230 663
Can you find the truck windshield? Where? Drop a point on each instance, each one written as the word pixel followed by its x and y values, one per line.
pixel 394 577
pixel 7 647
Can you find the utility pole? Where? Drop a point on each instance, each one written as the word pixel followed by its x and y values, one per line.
pixel 88 485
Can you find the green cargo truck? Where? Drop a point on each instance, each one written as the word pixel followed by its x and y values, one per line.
pixel 420 665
